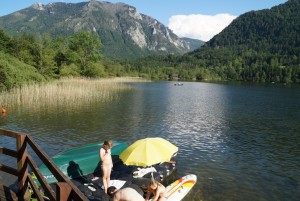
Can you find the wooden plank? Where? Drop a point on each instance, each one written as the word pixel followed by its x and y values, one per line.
pixel 23 159
pixel 46 160
pixel 9 133
pixel 76 193
pixel 22 165
pixel 8 152
pixel 63 191
pixel 47 188
pixel 8 170
pixel 7 194
pixel 35 189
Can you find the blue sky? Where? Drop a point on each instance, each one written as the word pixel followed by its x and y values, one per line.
pixel 174 13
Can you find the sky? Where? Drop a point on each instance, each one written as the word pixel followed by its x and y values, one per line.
pixel 198 19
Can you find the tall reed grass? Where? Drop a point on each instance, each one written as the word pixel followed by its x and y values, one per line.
pixel 66 93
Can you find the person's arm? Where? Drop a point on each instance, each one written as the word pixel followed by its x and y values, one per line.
pixel 112 163
pixel 102 153
pixel 159 191
pixel 80 172
pixel 148 195
pixel 155 198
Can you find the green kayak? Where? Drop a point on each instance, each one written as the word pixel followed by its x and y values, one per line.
pixel 81 161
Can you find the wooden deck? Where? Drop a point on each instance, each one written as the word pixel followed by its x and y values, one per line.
pixel 7 194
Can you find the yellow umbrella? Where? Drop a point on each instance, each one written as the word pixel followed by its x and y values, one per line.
pixel 148 151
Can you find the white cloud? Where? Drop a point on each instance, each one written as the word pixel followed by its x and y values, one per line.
pixel 197 26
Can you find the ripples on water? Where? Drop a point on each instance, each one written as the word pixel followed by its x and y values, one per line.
pixel 241 141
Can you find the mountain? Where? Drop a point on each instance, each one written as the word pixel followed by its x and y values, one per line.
pixel 123 31
pixel 194 43
pixel 276 30
pixel 258 46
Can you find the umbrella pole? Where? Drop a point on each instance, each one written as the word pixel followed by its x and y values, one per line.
pixel 152 178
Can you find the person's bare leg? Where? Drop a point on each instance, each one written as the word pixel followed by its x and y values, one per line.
pixel 104 177
pixel 108 176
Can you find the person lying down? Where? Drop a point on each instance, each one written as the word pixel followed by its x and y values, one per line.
pixel 124 194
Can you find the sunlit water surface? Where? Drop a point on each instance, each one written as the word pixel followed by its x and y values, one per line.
pixel 242 141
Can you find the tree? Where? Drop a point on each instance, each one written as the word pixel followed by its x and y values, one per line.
pixel 85 48
pixel 60 44
pixel 4 40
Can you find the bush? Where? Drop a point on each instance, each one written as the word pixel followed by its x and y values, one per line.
pixel 94 70
pixel 69 71
pixel 15 73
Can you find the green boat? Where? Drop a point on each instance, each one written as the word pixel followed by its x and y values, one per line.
pixel 81 161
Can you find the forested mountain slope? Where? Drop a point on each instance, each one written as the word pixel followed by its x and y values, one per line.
pixel 258 46
pixel 123 31
pixel 276 30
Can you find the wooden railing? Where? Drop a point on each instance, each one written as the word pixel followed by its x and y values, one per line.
pixel 65 189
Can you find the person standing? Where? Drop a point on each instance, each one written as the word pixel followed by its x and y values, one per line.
pixel 107 164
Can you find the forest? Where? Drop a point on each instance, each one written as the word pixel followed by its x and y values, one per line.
pixel 29 58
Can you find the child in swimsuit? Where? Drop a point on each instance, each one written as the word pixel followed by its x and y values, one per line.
pixel 107 164
pixel 158 190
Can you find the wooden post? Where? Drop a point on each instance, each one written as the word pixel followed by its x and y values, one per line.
pixel 22 166
pixel 63 191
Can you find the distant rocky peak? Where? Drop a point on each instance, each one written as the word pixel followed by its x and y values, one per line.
pixel 91 5
pixel 38 6
pixel 134 14
pixel 95 3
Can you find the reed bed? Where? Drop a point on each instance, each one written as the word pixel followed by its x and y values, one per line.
pixel 66 93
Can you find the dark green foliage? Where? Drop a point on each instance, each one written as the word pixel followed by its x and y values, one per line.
pixel 14 73
pixel 4 41
pixel 85 50
pixel 30 58
pixel 261 46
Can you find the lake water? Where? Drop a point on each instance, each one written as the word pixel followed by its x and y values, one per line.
pixel 241 140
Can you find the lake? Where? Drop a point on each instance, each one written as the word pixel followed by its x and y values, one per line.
pixel 241 140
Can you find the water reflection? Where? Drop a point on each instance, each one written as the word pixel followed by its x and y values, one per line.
pixel 241 141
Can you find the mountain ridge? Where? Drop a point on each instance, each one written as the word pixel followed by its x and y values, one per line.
pixel 280 23
pixel 123 31
pixel 258 46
